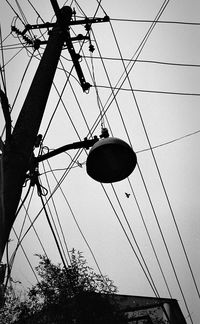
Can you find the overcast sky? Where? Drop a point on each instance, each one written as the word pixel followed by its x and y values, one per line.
pixel 157 106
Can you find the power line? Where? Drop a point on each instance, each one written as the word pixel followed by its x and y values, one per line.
pixel 15 12
pixel 121 117
pixel 169 142
pixel 133 236
pixel 169 204
pixel 50 225
pixel 19 241
pixel 115 96
pixel 164 92
pixel 129 241
pixel 176 64
pixel 158 22
pixel 76 222
pixel 170 207
pixel 149 237
pixel 56 212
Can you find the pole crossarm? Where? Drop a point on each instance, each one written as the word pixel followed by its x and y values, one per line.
pixel 86 22
pixel 65 14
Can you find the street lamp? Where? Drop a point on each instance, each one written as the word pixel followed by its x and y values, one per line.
pixel 110 160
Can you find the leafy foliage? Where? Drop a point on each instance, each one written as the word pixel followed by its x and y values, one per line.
pixel 72 294
pixel 59 283
pixel 16 305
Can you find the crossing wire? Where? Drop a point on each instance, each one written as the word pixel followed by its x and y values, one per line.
pixel 166 195
pixel 136 243
pixel 138 247
pixel 130 243
pixel 76 222
pixel 163 186
pixel 59 223
pixel 172 214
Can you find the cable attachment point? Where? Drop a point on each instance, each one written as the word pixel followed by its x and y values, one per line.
pixel 104 133
pixel 89 143
pixel 34 177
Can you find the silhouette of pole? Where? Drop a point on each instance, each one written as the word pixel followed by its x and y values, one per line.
pixel 18 150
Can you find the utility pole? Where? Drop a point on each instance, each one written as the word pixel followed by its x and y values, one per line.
pixel 109 160
pixel 18 148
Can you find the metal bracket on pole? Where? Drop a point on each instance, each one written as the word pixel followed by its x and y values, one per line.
pixel 61 21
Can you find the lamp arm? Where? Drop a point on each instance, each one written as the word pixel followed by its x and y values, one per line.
pixel 73 146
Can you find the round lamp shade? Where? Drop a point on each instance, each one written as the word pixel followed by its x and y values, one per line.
pixel 110 160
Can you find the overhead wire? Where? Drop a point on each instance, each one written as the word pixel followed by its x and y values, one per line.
pixel 130 243
pixel 2 69
pixel 91 70
pixel 12 258
pixel 72 68
pixel 146 265
pixel 176 64
pixel 19 242
pixel 169 142
pixel 14 56
pixel 164 92
pixel 16 14
pixel 125 215
pixel 99 104
pixel 162 272
pixel 131 229
pixel 58 221
pixel 115 99
pixel 50 225
pixel 21 12
pixel 10 264
pixel 77 101
pixel 112 95
pixel 77 223
pixel 60 96
pixel 150 239
pixel 134 238
pixel 159 21
pixel 166 195
pixel 134 90
pixel 19 88
pixel 175 273
pixel 28 260
pixel 172 213
pixel 78 226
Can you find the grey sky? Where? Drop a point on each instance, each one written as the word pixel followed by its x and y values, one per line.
pixel 167 98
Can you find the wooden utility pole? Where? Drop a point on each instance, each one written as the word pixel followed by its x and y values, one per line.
pixel 18 150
